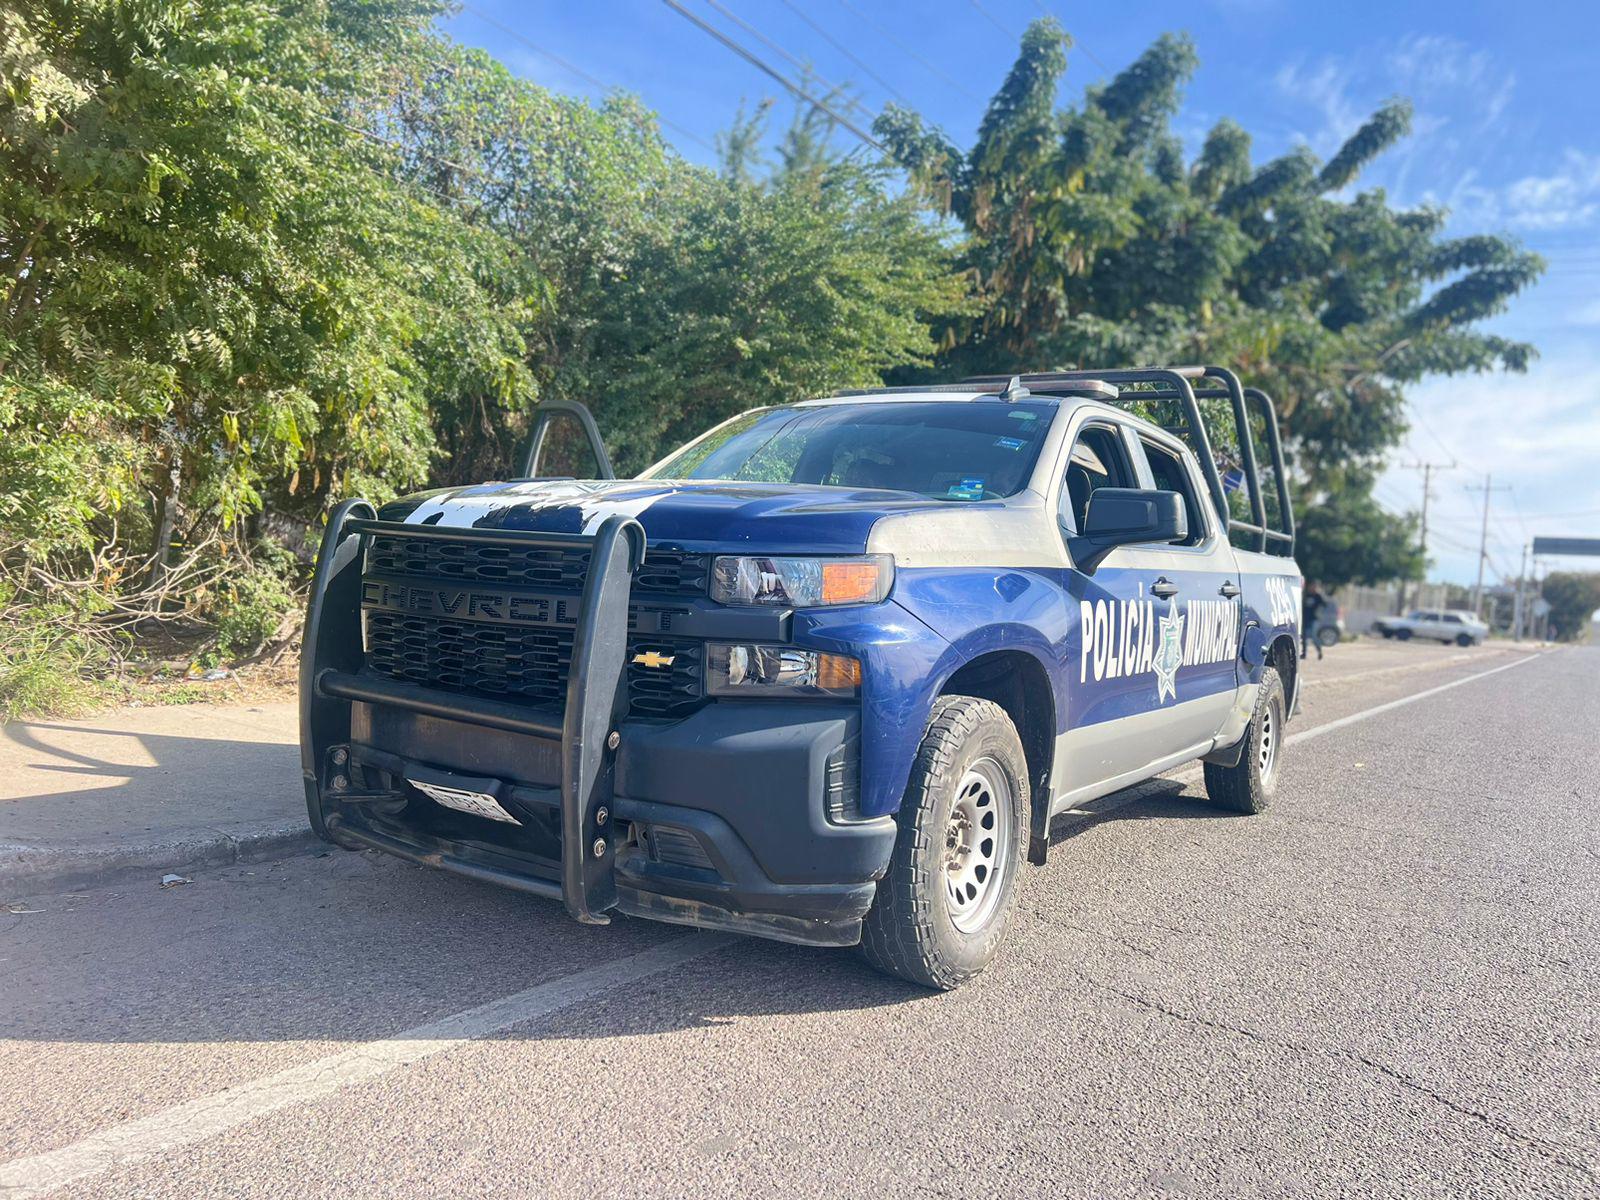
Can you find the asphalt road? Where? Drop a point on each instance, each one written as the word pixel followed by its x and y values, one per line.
pixel 1388 985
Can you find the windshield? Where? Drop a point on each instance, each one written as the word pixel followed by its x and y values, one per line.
pixel 948 450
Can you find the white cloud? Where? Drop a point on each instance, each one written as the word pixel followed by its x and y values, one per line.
pixel 1435 63
pixel 1325 88
pixel 1587 314
pixel 1566 198
pixel 1538 432
pixel 1570 196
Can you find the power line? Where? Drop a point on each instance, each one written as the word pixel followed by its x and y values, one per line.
pixel 574 69
pixel 805 68
pixel 845 50
pixel 908 51
pixel 765 69
pixel 1077 43
pixel 1550 516
pixel 993 20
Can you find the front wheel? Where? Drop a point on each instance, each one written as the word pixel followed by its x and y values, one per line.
pixel 1327 637
pixel 1249 786
pixel 943 907
pixel 1464 639
pixel 1403 634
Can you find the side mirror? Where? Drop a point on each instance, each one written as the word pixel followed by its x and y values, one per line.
pixel 1125 517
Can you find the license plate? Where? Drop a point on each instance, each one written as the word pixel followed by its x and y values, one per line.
pixel 479 804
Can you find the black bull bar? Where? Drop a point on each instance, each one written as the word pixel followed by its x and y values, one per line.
pixel 331 677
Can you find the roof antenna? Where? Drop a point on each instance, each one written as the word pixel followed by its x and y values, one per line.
pixel 1014 390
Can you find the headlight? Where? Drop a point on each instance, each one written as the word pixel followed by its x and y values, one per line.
pixel 802 582
pixel 741 669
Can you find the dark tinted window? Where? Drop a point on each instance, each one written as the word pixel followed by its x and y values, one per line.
pixel 950 450
pixel 1098 460
pixel 1169 474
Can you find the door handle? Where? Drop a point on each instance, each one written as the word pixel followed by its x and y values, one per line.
pixel 1164 588
pixel 1229 589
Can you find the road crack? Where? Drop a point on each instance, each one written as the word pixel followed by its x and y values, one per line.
pixel 1551 1151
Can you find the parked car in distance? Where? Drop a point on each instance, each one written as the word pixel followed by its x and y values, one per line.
pixel 1328 630
pixel 1446 625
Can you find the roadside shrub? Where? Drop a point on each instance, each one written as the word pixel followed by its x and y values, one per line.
pixel 49 665
pixel 259 605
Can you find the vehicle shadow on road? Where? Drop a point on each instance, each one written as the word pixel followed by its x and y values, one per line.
pixel 353 946
pixel 1157 800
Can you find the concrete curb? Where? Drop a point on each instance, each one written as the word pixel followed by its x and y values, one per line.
pixel 33 869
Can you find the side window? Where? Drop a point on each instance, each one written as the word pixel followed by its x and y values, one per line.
pixel 1170 475
pixel 1098 460
pixel 1451 619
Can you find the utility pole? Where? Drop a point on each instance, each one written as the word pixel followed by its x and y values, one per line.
pixel 1483 538
pixel 1518 610
pixel 1427 470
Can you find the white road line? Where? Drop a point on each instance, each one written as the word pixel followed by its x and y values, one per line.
pixel 207 1116
pixel 1305 735
pixel 1194 770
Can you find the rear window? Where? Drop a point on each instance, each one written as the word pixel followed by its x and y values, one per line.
pixel 949 450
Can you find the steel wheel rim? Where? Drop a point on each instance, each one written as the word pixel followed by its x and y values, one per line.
pixel 1267 748
pixel 978 844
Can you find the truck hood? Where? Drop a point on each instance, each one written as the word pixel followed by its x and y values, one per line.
pixel 689 514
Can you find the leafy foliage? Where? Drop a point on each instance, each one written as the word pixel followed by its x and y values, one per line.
pixel 1092 242
pixel 1574 598
pixel 256 257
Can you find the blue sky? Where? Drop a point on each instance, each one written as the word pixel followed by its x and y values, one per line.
pixel 1507 135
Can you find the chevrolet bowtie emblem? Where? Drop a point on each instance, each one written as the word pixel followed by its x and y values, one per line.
pixel 651 659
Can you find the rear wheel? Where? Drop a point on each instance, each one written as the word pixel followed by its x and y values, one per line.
pixel 943 907
pixel 1249 786
pixel 1403 634
pixel 1327 637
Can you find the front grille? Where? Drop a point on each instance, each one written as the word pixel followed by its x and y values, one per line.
pixel 515 662
pixel 672 572
pixel 661 691
pixel 526 663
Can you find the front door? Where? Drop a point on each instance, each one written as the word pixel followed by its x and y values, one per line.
pixel 1157 640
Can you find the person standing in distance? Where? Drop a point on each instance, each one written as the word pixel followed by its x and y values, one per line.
pixel 1312 604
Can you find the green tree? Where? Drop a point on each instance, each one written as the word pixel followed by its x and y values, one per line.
pixel 672 296
pixel 1573 598
pixel 215 285
pixel 220 291
pixel 1092 242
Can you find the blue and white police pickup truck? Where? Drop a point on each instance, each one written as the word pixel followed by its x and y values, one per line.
pixel 825 673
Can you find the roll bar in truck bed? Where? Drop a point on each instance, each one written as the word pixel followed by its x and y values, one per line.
pixel 1178 385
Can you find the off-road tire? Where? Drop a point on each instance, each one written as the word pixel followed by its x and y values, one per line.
pixel 910 931
pixel 1249 786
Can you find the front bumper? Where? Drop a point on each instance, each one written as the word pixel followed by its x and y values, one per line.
pixel 719 820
